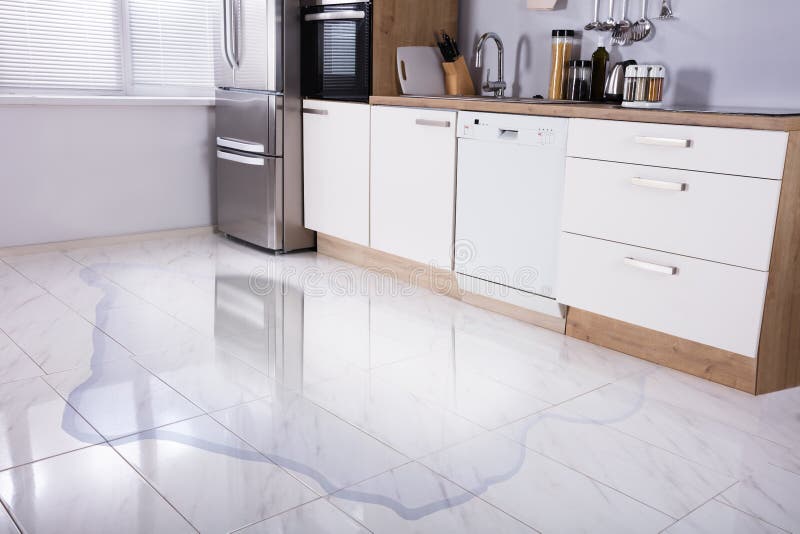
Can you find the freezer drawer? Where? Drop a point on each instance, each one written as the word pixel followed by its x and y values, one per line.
pixel 250 122
pixel 250 198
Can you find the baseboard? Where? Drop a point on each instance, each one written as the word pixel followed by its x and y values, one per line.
pixel 103 241
pixel 710 363
pixel 440 281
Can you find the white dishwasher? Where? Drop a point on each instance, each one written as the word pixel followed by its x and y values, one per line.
pixel 508 212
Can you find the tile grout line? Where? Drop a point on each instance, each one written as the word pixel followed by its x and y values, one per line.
pixel 693 510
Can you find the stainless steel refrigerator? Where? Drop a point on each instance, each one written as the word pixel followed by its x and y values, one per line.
pixel 259 124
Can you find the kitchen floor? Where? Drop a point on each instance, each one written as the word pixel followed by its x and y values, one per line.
pixel 191 383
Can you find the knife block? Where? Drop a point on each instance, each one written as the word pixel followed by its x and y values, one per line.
pixel 457 80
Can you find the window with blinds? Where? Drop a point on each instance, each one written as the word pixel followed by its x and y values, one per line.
pixel 170 42
pixel 60 44
pixel 106 46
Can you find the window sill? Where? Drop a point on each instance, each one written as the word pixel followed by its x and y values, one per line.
pixel 59 100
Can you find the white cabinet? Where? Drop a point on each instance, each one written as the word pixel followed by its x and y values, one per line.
pixel 336 169
pixel 721 150
pixel 413 183
pixel 710 303
pixel 717 217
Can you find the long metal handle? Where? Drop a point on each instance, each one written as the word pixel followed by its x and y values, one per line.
pixel 336 15
pixel 236 144
pixel 312 111
pixel 237 38
pixel 247 160
pixel 435 124
pixel 663 141
pixel 596 11
pixel 652 267
pixel 659 184
pixel 226 32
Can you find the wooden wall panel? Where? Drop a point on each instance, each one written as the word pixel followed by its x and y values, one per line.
pixel 779 350
pixel 405 23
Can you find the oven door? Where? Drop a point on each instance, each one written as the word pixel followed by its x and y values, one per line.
pixel 336 51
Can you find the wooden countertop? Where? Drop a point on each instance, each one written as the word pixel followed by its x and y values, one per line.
pixel 596 111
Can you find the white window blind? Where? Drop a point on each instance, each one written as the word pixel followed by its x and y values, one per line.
pixel 170 43
pixel 60 44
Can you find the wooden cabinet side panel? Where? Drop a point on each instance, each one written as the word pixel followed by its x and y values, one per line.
pixel 779 349
pixel 405 23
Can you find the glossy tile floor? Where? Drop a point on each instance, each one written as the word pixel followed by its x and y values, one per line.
pixel 194 384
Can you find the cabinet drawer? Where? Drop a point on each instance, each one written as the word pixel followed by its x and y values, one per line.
pixel 706 302
pixel 722 218
pixel 721 150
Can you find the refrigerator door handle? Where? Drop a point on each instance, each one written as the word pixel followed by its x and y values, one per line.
pixel 237 23
pixel 246 160
pixel 227 40
pixel 244 146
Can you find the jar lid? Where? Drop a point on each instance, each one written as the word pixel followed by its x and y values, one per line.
pixel 579 63
pixel 563 33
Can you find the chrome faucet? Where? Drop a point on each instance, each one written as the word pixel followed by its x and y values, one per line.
pixel 498 87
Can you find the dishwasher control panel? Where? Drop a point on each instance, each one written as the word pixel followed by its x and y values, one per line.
pixel 519 129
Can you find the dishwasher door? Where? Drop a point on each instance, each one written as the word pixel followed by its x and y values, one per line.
pixel 508 216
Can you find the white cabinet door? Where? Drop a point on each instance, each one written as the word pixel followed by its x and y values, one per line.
pixel 336 169
pixel 413 183
pixel 710 303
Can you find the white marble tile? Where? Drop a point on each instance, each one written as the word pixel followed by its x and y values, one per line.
pixel 36 423
pixel 775 416
pixel 715 517
pixel 396 417
pixel 15 291
pixel 91 491
pixel 145 328
pixel 317 517
pixel 686 431
pixel 14 363
pixel 213 478
pixel 206 375
pixel 7 526
pixel 464 391
pixel 318 448
pixel 541 492
pixel 121 398
pixel 647 473
pixel 78 286
pixel 549 368
pixel 415 500
pixel 57 338
pixel 772 495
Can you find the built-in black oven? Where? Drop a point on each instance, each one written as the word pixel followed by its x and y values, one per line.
pixel 336 50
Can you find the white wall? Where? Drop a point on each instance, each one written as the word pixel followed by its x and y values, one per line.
pixel 719 52
pixel 77 171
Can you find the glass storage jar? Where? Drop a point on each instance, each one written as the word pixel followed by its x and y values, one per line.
pixel 579 80
pixel 563 41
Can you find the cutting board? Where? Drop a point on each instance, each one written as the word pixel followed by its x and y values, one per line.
pixel 420 70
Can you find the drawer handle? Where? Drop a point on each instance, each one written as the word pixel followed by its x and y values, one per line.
pixel 652 267
pixel 235 144
pixel 312 111
pixel 247 160
pixel 664 141
pixel 435 124
pixel 659 184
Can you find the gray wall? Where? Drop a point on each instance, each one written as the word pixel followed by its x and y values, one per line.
pixel 72 172
pixel 720 52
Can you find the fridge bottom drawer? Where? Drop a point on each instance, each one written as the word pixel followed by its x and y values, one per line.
pixel 249 198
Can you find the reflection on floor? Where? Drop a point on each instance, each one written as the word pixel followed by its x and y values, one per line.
pixel 194 384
